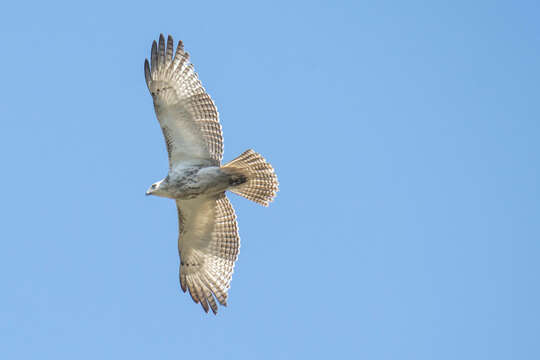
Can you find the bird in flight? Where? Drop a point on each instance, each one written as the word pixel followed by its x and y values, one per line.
pixel 208 241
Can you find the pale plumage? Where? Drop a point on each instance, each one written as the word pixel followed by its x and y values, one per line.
pixel 208 240
pixel 188 116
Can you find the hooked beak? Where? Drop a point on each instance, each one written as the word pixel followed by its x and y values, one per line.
pixel 152 189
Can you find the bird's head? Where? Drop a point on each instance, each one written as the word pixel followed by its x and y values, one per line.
pixel 158 188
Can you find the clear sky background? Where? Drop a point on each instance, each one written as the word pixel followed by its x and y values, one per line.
pixel 406 140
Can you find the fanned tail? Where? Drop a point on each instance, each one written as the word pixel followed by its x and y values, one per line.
pixel 257 179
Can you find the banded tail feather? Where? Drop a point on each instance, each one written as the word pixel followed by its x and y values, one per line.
pixel 261 183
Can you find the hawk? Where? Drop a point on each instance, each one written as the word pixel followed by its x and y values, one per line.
pixel 208 241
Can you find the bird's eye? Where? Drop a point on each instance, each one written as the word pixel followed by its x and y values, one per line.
pixel 153 186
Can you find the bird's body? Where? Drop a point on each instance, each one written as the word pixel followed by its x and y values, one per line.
pixel 190 181
pixel 208 240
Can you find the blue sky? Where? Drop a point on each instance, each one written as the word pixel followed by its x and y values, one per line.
pixel 406 140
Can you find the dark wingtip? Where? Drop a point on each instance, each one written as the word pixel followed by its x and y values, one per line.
pixel 170 48
pixel 161 50
pixel 193 296
pixel 147 74
pixel 153 55
pixel 204 305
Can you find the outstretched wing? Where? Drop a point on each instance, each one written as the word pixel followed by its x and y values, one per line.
pixel 208 244
pixel 187 115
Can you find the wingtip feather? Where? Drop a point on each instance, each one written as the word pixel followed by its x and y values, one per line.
pixel 183 281
pixel 170 48
pixel 153 56
pixel 147 73
pixel 161 50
